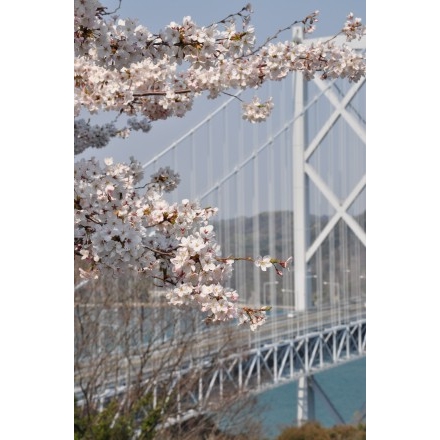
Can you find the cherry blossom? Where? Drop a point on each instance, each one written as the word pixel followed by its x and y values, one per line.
pixel 120 65
pixel 263 262
pixel 257 111
pixel 353 28
pixel 121 228
pixel 98 136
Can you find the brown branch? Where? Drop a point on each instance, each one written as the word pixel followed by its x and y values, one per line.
pixel 153 93
pixel 89 217
pixel 223 260
pixel 157 251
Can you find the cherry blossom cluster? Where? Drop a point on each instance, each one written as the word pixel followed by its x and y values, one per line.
pixel 353 28
pixel 165 179
pixel 256 111
pixel 309 22
pixel 120 228
pixel 87 135
pixel 121 66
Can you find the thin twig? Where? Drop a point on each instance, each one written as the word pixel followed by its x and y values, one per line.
pixel 244 8
pixel 233 96
pixel 110 13
pixel 273 37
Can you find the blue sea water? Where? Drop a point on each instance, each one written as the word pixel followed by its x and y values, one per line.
pixel 345 385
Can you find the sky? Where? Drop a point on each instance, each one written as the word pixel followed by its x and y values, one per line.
pixel 267 17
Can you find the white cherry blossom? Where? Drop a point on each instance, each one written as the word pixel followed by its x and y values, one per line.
pixel 263 262
pixel 113 223
pixel 120 65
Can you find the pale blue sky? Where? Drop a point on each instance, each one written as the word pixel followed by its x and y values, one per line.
pixel 268 16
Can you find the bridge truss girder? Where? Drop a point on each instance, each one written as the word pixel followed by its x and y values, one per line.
pixel 271 365
pixel 255 370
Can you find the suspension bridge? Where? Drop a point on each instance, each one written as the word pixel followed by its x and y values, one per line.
pixel 292 186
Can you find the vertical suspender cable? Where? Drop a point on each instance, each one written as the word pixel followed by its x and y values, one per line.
pixel 193 164
pixel 226 188
pixel 315 216
pixel 239 196
pixel 210 160
pixel 257 300
pixel 270 177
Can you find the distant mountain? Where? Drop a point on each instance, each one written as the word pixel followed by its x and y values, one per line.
pixel 340 256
